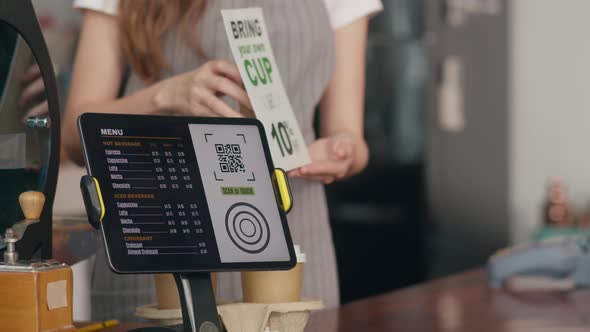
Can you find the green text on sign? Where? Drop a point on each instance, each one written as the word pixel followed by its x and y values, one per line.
pixel 259 70
pixel 237 191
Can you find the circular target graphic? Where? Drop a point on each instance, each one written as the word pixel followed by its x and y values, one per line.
pixel 247 227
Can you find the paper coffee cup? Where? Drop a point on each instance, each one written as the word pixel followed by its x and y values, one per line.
pixel 274 286
pixel 167 291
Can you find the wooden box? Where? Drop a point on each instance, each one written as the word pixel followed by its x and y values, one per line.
pixel 36 297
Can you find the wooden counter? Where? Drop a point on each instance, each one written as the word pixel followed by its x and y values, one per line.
pixel 459 303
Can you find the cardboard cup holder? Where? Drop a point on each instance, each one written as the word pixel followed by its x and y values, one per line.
pixel 260 317
pixel 246 317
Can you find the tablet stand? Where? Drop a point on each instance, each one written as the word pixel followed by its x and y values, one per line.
pixel 199 310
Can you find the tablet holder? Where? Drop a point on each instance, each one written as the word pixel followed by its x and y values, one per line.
pixel 199 310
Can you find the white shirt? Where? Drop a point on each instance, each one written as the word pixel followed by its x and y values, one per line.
pixel 341 12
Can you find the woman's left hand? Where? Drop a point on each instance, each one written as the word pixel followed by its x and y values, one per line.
pixel 332 159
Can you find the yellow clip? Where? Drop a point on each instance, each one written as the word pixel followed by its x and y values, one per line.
pixel 102 209
pixel 283 190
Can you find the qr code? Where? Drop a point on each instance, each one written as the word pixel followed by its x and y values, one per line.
pixel 230 158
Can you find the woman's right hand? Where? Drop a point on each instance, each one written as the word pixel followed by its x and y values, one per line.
pixel 199 92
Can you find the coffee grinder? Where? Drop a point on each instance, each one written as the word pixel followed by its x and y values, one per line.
pixel 35 292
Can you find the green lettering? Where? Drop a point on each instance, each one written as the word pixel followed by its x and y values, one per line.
pixel 248 66
pixel 259 72
pixel 268 68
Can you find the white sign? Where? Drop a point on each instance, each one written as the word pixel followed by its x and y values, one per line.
pixel 248 39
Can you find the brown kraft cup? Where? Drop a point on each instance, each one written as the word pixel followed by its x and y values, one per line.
pixel 274 286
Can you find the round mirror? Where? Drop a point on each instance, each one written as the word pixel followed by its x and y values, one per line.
pixel 25 138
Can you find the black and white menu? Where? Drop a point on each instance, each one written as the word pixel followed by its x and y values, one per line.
pixel 185 194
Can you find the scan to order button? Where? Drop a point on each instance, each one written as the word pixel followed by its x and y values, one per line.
pixel 234 191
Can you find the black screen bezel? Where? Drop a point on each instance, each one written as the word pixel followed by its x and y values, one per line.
pixel 122 265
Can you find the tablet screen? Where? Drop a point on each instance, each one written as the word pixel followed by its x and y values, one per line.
pixel 185 194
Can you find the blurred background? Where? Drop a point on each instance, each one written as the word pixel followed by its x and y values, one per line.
pixel 472 107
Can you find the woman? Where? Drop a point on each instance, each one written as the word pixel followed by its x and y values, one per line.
pixel 178 55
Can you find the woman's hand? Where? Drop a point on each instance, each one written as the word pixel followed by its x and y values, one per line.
pixel 343 151
pixel 199 92
pixel 332 159
pixel 34 91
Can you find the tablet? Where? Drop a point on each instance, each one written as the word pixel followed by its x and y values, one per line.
pixel 185 194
